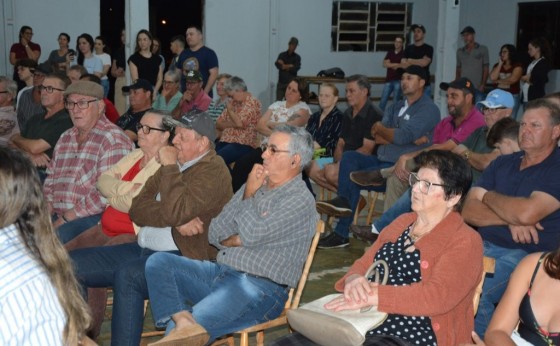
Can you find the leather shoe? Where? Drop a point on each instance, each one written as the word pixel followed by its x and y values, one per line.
pixel 338 207
pixel 368 178
pixel 364 233
pixel 194 335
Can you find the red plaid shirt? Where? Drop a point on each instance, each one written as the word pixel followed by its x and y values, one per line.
pixel 74 169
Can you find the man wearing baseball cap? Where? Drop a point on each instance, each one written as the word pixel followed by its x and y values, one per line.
pixel 82 153
pixel 194 97
pixel 174 210
pixel 472 62
pixel 419 54
pixel 402 125
pixel 140 99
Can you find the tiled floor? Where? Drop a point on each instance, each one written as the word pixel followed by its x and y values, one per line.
pixel 328 266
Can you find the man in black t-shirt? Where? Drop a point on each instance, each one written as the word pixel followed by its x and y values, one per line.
pixel 419 53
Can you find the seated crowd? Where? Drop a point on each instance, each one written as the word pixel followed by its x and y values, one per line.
pixel 183 199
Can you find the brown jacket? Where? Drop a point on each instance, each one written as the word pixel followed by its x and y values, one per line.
pixel 201 190
pixel 451 268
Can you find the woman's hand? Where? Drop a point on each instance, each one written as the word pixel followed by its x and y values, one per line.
pixel 358 293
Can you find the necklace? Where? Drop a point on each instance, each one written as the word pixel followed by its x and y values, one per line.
pixel 414 237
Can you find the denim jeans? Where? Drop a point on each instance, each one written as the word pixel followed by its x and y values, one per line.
pixel 121 267
pixel 354 161
pixel 401 206
pixel 106 86
pixel 70 230
pixel 220 298
pixel 388 89
pixel 230 152
pixel 479 96
pixel 515 110
pixel 495 284
pixel 428 91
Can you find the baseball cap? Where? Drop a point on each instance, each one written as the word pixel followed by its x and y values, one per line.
pixel 417 70
pixel 461 83
pixel 193 76
pixel 468 30
pixel 139 84
pixel 498 98
pixel 85 88
pixel 196 120
pixel 418 26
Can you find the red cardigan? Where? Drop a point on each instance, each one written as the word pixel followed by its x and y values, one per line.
pixel 451 267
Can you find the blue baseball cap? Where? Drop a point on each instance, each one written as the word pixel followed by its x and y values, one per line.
pixel 498 98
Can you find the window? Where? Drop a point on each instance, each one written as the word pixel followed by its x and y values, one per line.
pixel 368 26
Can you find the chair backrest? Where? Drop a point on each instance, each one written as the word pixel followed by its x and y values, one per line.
pixel 488 266
pixel 295 295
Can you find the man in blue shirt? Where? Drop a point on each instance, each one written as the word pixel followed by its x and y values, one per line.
pixel 515 203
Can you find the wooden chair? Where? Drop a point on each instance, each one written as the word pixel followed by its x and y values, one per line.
pixel 292 302
pixel 373 197
pixel 488 267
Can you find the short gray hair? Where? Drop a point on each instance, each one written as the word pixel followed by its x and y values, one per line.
pixel 235 84
pixel 11 86
pixel 174 74
pixel 301 142
pixel 361 80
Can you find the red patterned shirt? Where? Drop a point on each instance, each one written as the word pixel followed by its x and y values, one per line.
pixel 75 168
pixel 249 112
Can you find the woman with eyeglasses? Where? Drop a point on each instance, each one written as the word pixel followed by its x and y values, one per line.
pixel 24 49
pixel 434 260
pixel 119 185
pixel 171 94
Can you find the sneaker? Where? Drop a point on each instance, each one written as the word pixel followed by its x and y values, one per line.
pixel 333 241
pixel 338 206
pixel 367 178
pixel 364 233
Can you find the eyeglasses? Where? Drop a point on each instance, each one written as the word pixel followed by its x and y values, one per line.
pixel 81 104
pixel 491 110
pixel 49 89
pixel 146 129
pixel 272 148
pixel 424 185
pixel 169 82
pixel 3 92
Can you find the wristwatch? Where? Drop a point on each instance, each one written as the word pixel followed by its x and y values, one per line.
pixel 467 155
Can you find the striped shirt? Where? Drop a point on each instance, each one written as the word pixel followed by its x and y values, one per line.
pixel 30 313
pixel 75 168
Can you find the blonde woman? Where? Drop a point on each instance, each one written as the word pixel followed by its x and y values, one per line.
pixel 40 300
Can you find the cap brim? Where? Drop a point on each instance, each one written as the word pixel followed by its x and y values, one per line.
pixel 490 105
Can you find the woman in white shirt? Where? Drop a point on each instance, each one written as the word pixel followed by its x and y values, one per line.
pixel 101 51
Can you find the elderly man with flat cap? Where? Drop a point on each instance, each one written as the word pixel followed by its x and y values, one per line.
pixel 403 124
pixel 174 210
pixel 82 153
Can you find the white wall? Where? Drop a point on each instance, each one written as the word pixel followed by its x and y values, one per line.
pixel 248 35
pixel 48 19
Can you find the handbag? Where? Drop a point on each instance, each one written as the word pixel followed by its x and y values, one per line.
pixel 348 327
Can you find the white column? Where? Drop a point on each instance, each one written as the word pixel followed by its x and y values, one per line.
pixel 136 18
pixel 446 49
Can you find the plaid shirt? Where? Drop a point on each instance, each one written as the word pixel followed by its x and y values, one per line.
pixel 275 227
pixel 74 168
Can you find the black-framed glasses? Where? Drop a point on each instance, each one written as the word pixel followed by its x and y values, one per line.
pixel 423 185
pixel 84 104
pixel 3 92
pixel 146 129
pixel 169 82
pixel 272 148
pixel 49 89
pixel 490 110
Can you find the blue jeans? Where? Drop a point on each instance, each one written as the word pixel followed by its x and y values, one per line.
pixel 479 96
pixel 515 110
pixel 428 91
pixel 230 152
pixel 401 206
pixel 70 230
pixel 354 161
pixel 220 298
pixel 495 284
pixel 388 89
pixel 106 86
pixel 120 267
